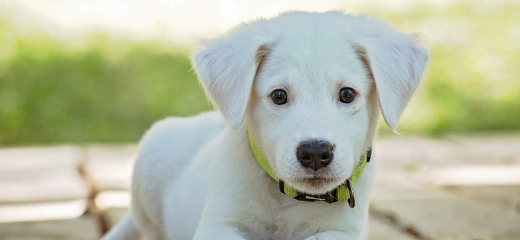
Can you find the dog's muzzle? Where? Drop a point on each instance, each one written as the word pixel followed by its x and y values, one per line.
pixel 344 192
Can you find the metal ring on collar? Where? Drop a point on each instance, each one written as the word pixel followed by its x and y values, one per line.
pixel 352 199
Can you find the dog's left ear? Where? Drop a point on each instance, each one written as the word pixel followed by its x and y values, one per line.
pixel 396 63
pixel 227 67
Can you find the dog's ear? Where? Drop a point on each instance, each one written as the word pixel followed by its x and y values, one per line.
pixel 396 63
pixel 227 67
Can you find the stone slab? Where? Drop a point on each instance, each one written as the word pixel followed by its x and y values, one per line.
pixel 508 197
pixel 408 161
pixel 37 211
pixel 41 174
pixel 84 228
pixel 42 186
pixel 40 158
pixel 112 199
pixel 110 168
pixel 113 215
pixel 418 152
pixel 379 230
pixel 453 218
pixel 380 193
pixel 501 149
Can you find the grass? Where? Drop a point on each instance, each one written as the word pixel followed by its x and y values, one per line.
pixel 49 94
pixel 110 90
pixel 472 82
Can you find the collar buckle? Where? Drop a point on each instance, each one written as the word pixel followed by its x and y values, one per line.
pixel 327 197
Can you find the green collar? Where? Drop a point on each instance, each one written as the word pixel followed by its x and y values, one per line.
pixel 344 192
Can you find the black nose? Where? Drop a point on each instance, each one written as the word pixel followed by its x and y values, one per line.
pixel 315 154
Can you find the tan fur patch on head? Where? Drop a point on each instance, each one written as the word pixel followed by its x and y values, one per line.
pixel 261 55
pixel 362 53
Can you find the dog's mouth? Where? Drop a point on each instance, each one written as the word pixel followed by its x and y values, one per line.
pixel 316 181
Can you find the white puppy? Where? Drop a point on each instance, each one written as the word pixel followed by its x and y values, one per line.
pixel 303 90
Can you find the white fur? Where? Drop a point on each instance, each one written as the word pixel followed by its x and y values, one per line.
pixel 196 178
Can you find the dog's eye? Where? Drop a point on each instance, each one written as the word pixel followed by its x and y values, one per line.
pixel 279 97
pixel 347 95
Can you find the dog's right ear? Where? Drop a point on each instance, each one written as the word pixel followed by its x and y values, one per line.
pixel 395 61
pixel 227 67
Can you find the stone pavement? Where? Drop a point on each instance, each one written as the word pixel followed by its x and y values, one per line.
pixel 453 188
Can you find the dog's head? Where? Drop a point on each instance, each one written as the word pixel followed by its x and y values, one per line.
pixel 310 86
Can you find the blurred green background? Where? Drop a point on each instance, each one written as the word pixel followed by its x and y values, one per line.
pixel 108 89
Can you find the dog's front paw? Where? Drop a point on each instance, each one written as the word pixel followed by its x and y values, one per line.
pixel 332 235
pixel 320 237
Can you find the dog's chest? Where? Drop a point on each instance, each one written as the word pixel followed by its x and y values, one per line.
pixel 286 218
pixel 282 224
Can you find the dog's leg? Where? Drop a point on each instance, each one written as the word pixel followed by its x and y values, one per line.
pixel 145 224
pixel 364 231
pixel 217 232
pixel 334 235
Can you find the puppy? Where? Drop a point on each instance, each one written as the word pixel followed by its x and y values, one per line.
pixel 287 155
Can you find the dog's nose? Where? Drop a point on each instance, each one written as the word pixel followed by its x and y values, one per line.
pixel 315 154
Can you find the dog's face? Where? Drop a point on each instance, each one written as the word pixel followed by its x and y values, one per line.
pixel 311 86
pixel 310 111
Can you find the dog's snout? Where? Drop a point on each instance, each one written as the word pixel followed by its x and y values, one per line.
pixel 315 154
